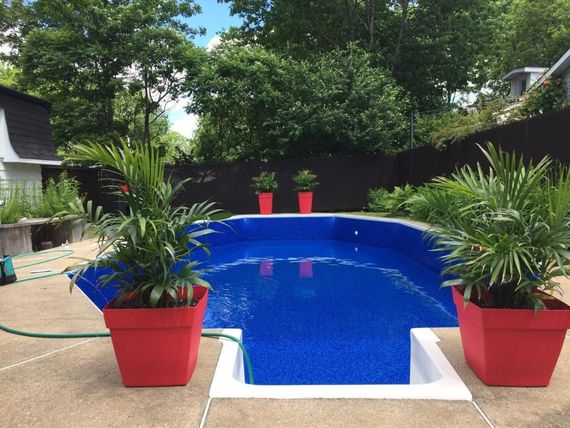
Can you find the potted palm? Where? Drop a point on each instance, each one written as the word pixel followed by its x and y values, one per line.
pixel 265 184
pixel 306 182
pixel 156 316
pixel 506 246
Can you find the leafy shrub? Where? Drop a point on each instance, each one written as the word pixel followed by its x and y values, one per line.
pixel 391 203
pixel 510 236
pixel 57 196
pixel 265 182
pixel 305 180
pixel 454 126
pixel 432 205
pixel 19 199
pixel 550 96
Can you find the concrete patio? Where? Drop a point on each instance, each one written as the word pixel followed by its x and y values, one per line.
pixel 65 382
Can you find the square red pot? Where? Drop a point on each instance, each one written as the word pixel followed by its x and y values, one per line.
pixel 512 347
pixel 157 347
pixel 265 203
pixel 305 202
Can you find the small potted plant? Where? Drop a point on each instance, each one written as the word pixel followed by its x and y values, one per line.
pixel 265 184
pixel 306 182
pixel 506 245
pixel 156 316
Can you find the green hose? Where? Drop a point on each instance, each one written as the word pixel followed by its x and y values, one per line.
pixel 68 252
pixel 85 335
pixel 62 253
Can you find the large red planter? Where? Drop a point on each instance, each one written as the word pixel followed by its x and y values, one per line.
pixel 512 347
pixel 305 202
pixel 157 347
pixel 265 203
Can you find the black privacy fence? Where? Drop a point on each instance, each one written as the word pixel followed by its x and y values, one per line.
pixel 345 181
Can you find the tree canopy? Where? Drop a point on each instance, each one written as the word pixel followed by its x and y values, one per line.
pixel 84 56
pixel 298 78
pixel 257 104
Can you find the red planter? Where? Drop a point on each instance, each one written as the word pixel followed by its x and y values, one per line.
pixel 157 347
pixel 305 202
pixel 512 347
pixel 265 203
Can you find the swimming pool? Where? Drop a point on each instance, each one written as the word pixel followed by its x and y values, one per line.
pixel 324 299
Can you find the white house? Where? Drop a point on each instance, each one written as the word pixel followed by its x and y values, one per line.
pixel 561 70
pixel 26 141
pixel 522 79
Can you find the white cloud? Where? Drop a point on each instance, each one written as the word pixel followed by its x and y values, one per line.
pixel 180 121
pixel 186 125
pixel 214 41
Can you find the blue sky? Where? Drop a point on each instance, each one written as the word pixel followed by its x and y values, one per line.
pixel 215 17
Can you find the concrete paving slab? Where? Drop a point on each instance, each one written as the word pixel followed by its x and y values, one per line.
pixel 342 413
pixel 514 407
pixel 81 387
pixel 45 305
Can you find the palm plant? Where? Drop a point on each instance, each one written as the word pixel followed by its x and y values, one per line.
pixel 305 180
pixel 147 249
pixel 265 182
pixel 510 238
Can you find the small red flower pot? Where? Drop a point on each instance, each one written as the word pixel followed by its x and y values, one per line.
pixel 265 203
pixel 305 202
pixel 157 347
pixel 512 347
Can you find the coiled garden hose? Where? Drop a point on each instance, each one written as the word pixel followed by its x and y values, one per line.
pixel 67 252
pixel 104 334
pixel 64 252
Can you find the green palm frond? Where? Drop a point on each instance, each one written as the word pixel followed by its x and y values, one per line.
pixel 511 236
pixel 148 249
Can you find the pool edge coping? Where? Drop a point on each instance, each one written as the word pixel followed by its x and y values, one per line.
pixel 432 377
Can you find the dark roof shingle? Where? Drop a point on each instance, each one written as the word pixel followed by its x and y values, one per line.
pixel 29 130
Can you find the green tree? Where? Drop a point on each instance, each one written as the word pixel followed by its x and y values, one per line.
pixel 79 54
pixel 434 48
pixel 537 33
pixel 8 75
pixel 256 104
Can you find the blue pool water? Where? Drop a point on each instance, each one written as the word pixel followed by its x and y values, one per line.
pixel 321 300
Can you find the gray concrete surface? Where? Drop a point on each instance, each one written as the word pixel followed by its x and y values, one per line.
pixel 76 383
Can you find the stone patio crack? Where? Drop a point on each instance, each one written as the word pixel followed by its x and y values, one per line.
pixel 483 415
pixel 47 354
pixel 205 415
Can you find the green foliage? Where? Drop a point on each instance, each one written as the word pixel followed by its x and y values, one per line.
pixel 20 198
pixel 82 55
pixel 149 247
pixel 454 126
pixel 432 48
pixel 257 104
pixel 510 235
pixel 8 75
pixel 391 203
pixel 57 196
pixel 265 182
pixel 305 180
pixel 550 96
pixel 536 33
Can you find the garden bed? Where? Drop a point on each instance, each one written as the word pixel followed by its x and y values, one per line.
pixel 28 235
